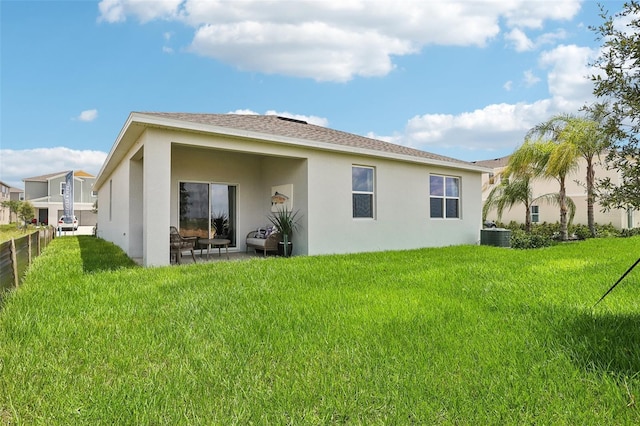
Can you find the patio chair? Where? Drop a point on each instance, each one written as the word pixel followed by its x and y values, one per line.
pixel 178 243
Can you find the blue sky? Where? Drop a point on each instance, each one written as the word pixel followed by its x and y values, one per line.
pixel 465 79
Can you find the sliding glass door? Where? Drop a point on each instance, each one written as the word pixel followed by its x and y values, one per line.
pixel 208 210
pixel 223 211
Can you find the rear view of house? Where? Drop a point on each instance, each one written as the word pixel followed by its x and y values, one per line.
pixel 353 194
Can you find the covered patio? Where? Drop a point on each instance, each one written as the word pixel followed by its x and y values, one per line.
pixel 214 257
pixel 212 192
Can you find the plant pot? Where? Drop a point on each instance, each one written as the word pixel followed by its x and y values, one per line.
pixel 281 249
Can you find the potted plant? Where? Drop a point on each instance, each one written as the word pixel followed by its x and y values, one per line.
pixel 220 225
pixel 285 221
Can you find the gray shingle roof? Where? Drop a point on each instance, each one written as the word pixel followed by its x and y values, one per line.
pixel 494 163
pixel 280 126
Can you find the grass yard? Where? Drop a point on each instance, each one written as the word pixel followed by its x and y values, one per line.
pixel 457 335
pixel 12 230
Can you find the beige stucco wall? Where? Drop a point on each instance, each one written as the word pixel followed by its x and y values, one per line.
pixel 322 194
pixel 114 200
pixel 401 207
pixel 576 190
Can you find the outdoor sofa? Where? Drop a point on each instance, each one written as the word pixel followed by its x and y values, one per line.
pixel 265 239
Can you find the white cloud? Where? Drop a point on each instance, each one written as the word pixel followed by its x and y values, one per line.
pixel 336 55
pixel 530 78
pixel 113 11
pixel 519 39
pixel 532 14
pixel 498 127
pixel 244 112
pixel 501 128
pixel 88 115
pixel 312 119
pixel 568 77
pixel 551 38
pixel 337 40
pixel 522 43
pixel 16 165
pixel 167 38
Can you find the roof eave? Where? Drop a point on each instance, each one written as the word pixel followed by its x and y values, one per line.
pixel 125 140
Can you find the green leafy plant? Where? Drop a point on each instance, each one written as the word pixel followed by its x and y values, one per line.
pixel 26 212
pixel 221 224
pixel 522 240
pixel 286 223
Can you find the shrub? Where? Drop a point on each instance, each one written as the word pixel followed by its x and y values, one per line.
pixel 631 232
pixel 521 240
pixel 546 229
pixel 581 232
pixel 606 231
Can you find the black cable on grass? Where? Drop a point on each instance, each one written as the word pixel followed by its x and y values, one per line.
pixel 617 282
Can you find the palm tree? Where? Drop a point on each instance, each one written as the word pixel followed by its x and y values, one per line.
pixel 511 192
pixel 524 165
pixel 588 135
pixel 558 158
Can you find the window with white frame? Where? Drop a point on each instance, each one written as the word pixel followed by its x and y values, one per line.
pixel 444 193
pixel 363 193
pixel 535 214
pixel 62 187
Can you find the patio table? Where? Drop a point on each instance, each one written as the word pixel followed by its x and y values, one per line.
pixel 216 242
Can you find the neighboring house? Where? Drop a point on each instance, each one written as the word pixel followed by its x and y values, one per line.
pixel 544 212
pixel 46 194
pixel 9 193
pixel 16 194
pixel 5 195
pixel 353 194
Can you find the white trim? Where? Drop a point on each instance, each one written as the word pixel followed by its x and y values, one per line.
pixel 372 193
pixel 444 197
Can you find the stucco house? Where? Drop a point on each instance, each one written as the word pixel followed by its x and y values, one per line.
pixel 353 193
pixel 545 212
pixel 46 195
pixel 7 193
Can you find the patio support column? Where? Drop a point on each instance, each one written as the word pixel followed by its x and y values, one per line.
pixel 156 200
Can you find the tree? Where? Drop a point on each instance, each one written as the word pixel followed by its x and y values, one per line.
pixel 618 84
pixel 525 164
pixel 589 139
pixel 557 159
pixel 26 212
pixel 13 206
pixel 513 191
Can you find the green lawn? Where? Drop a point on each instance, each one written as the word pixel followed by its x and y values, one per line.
pixel 457 335
pixel 12 230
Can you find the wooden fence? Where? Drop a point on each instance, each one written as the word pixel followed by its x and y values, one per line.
pixel 18 253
